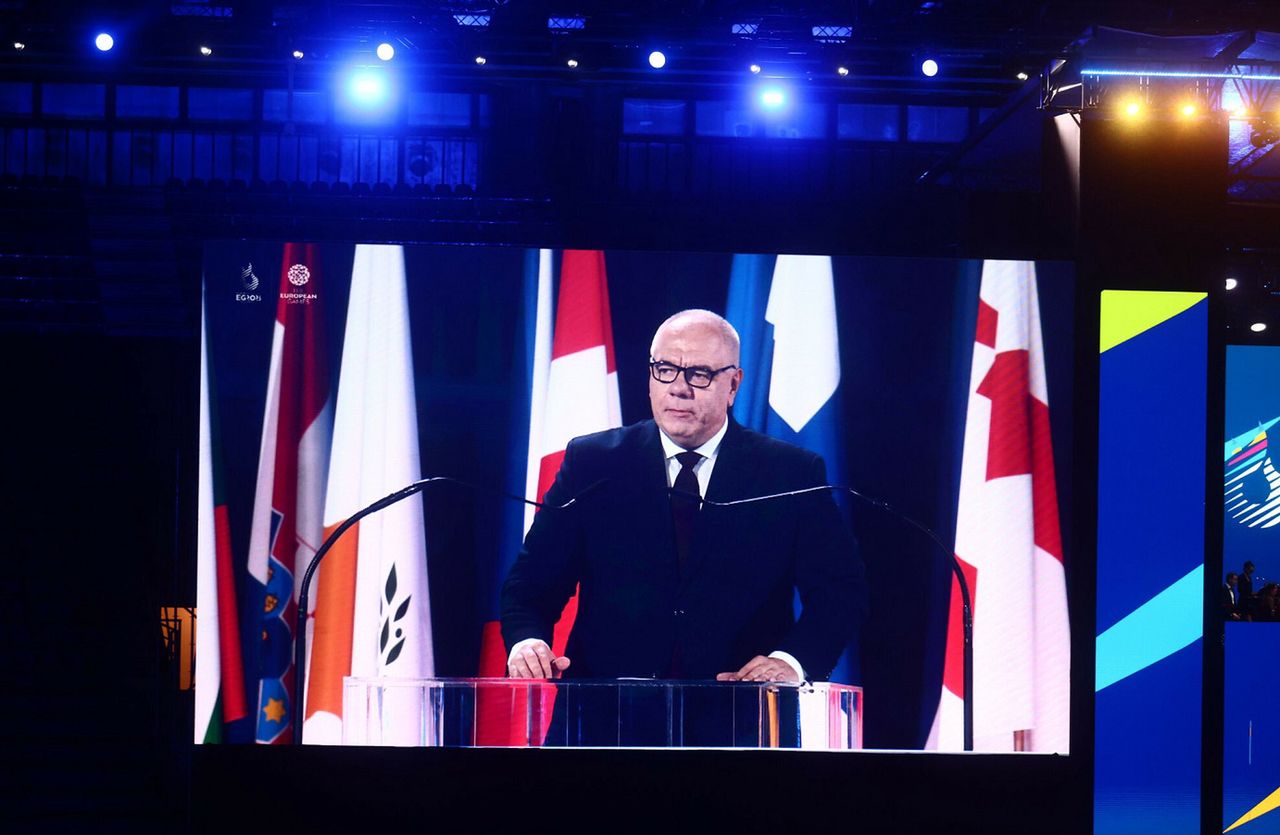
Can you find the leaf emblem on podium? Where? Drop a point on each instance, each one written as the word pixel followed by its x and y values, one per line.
pixel 385 636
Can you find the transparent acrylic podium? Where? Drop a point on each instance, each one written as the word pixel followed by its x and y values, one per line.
pixel 628 713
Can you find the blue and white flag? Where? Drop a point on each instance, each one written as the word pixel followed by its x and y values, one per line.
pixel 784 309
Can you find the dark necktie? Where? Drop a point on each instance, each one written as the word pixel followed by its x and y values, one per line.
pixel 684 505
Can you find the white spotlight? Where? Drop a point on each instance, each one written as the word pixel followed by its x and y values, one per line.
pixel 104 42
pixel 481 60
pixel 1022 76
pixel 367 89
pixel 657 60
pixel 755 69
pixel 206 51
pixel 842 71
pixel 1231 283
pixel 19 45
pixel 1258 327
pixel 929 67
pixel 773 98
pixel 572 63
pixel 386 51
pixel 298 54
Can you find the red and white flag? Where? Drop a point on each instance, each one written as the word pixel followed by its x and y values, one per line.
pixel 1008 538
pixel 582 384
pixel 574 392
pixel 292 465
pixel 373 613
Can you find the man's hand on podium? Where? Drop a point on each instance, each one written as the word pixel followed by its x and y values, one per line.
pixel 761 668
pixel 536 660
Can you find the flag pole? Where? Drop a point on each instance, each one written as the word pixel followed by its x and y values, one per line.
pixel 966 612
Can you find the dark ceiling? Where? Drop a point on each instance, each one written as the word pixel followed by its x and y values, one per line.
pixel 74 258
pixel 978 42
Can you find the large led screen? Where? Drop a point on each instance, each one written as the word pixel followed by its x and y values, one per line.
pixel 938 390
pixel 1249 591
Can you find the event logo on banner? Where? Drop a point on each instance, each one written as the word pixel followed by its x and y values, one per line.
pixel 250 282
pixel 298 275
pixel 1251 488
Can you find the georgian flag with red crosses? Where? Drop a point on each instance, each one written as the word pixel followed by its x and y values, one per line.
pixel 1008 538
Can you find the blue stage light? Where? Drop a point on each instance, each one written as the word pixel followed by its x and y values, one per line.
pixel 366 93
pixel 773 98
pixel 368 87
pixel 657 60
pixel 386 51
pixel 104 42
pixel 929 67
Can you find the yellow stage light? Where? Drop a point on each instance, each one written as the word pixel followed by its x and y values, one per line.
pixel 1132 109
pixel 1188 110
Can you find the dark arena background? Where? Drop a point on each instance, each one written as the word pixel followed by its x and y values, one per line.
pixel 168 170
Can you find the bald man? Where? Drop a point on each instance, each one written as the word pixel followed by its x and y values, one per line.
pixel 670 587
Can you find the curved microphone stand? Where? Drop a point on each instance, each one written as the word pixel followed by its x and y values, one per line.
pixel 300 632
pixel 966 602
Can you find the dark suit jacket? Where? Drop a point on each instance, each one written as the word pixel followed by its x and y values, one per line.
pixel 636 612
pixel 1230 603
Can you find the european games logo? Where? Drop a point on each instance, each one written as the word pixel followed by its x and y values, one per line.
pixel 250 283
pixel 298 276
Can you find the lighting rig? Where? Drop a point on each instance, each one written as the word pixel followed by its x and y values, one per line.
pixel 506 41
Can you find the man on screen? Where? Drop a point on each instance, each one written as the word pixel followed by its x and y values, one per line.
pixel 670 587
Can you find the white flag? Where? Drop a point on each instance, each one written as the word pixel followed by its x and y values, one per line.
pixel 373 616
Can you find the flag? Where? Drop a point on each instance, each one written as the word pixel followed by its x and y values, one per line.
pixel 582 381
pixel 494 706
pixel 574 391
pixel 292 467
pixel 784 310
pixel 373 610
pixel 1008 539
pixel 220 693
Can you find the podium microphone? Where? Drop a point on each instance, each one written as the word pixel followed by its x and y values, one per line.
pixel 304 593
pixel 965 599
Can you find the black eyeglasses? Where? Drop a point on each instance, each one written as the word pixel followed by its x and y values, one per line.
pixel 698 377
